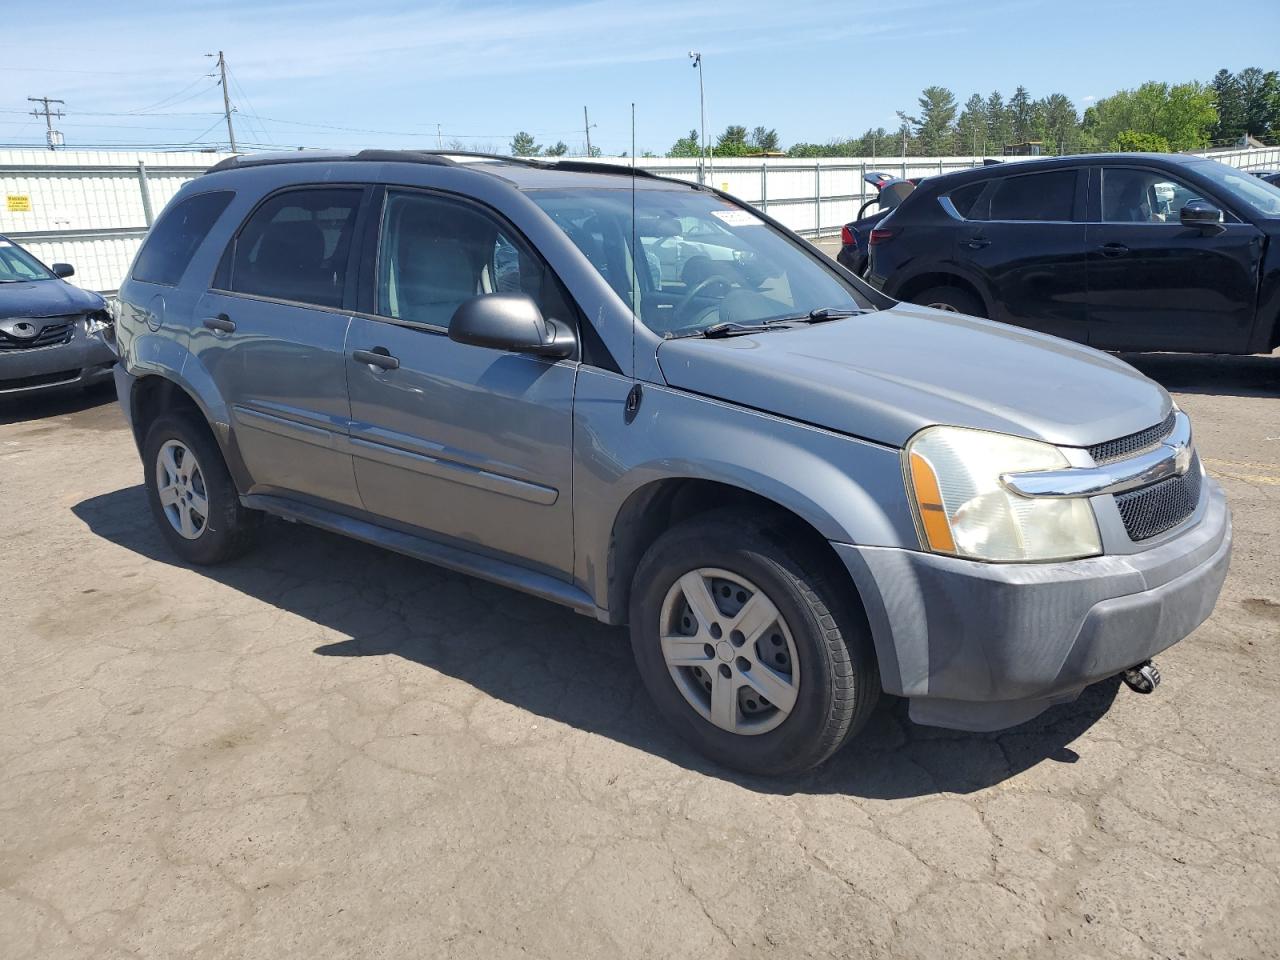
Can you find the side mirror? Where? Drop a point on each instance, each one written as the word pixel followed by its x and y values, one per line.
pixel 63 270
pixel 511 321
pixel 1202 215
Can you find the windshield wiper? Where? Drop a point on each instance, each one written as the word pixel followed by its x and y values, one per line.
pixel 731 328
pixel 820 315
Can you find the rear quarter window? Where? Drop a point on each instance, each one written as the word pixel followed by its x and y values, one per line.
pixel 173 241
pixel 964 198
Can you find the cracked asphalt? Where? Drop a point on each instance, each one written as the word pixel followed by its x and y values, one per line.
pixel 325 750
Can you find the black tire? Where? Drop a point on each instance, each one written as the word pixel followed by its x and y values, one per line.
pixel 228 529
pixel 954 298
pixel 839 683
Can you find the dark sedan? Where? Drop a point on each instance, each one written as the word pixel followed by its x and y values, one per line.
pixel 854 236
pixel 52 335
pixel 1123 252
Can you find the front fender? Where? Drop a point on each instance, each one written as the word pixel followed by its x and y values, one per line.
pixel 848 490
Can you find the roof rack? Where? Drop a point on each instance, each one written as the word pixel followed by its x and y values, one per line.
pixel 433 157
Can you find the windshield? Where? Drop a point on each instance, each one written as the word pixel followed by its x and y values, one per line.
pixel 17 265
pixel 703 261
pixel 1259 196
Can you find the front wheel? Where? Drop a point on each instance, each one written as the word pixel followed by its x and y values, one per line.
pixel 750 647
pixel 952 300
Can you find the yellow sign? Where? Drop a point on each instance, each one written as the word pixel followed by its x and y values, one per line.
pixel 19 203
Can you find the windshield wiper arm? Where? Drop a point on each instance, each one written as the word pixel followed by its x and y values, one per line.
pixel 731 328
pixel 820 315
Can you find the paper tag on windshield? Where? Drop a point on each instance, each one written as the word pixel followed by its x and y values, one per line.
pixel 737 218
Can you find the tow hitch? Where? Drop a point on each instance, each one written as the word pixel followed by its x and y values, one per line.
pixel 1143 678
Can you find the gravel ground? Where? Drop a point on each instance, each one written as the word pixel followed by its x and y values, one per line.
pixel 325 750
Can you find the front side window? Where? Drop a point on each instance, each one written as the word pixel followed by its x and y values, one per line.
pixel 296 245
pixel 17 266
pixel 689 259
pixel 436 252
pixel 1046 197
pixel 176 236
pixel 1130 195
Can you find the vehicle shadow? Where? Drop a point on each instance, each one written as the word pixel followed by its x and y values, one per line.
pixel 42 406
pixel 559 665
pixel 1215 375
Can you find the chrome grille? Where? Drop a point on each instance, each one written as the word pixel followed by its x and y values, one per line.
pixel 53 334
pixel 1135 443
pixel 1161 506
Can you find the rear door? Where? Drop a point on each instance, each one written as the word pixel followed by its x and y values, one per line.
pixel 468 443
pixel 1157 285
pixel 272 333
pixel 1024 238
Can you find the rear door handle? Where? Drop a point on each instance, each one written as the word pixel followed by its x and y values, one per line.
pixel 377 357
pixel 220 324
pixel 1113 249
pixel 976 243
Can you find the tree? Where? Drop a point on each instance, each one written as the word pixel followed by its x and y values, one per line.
pixel 595 151
pixel 686 146
pixel 1131 141
pixel 1259 100
pixel 999 130
pixel 764 140
pixel 1022 115
pixel 971 128
pixel 733 142
pixel 522 145
pixel 1058 124
pixel 1183 114
pixel 559 150
pixel 932 128
pixel 1229 104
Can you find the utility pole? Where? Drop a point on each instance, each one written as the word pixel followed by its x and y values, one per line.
pixel 702 107
pixel 53 136
pixel 586 128
pixel 226 99
pixel 439 138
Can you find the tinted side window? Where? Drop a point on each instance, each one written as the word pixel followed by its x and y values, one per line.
pixel 173 240
pixel 296 246
pixel 965 198
pixel 1036 196
pixel 435 253
pixel 1143 196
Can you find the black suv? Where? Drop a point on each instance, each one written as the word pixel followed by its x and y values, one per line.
pixel 1123 252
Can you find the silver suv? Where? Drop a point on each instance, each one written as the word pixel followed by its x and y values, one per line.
pixel 648 402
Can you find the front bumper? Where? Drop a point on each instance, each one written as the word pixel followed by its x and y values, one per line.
pixel 983 646
pixel 86 359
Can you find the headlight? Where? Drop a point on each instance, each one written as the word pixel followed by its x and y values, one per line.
pixel 97 322
pixel 953 475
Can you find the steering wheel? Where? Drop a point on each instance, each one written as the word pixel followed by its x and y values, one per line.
pixel 687 300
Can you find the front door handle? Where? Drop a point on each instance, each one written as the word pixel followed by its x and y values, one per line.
pixel 1113 249
pixel 220 324
pixel 377 357
pixel 976 243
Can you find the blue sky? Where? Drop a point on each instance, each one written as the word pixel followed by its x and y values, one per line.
pixel 389 71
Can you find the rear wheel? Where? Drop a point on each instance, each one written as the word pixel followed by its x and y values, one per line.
pixel 951 299
pixel 749 646
pixel 191 494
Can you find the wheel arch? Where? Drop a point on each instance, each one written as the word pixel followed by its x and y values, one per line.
pixel 660 504
pixel 920 282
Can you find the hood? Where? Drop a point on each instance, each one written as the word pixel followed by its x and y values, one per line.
pixel 886 374
pixel 45 298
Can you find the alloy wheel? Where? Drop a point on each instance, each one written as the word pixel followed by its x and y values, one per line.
pixel 181 488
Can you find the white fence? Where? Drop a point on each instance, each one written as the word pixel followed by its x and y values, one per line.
pixel 92 208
